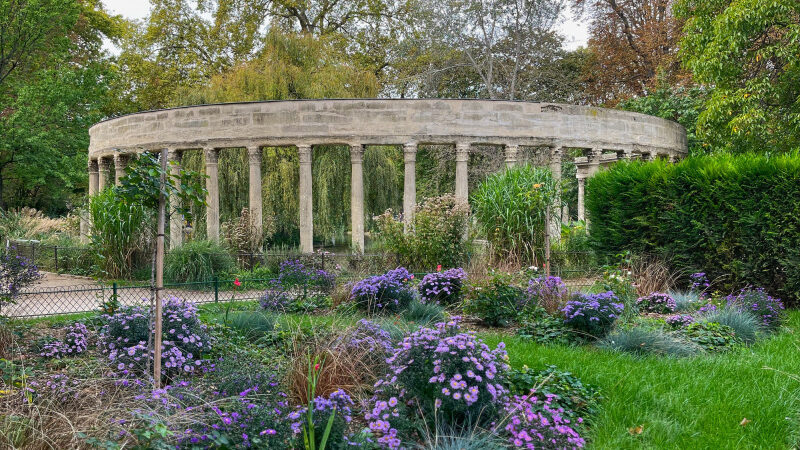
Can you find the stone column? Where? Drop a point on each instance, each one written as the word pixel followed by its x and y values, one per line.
pixel 409 182
pixel 175 218
pixel 120 162
pixel 556 153
pixel 256 202
pixel 102 177
pixel 94 177
pixel 671 158
pixel 212 197
pixel 306 200
pixel 357 197
pixel 462 170
pixel 594 160
pixel 511 151
pixel 581 195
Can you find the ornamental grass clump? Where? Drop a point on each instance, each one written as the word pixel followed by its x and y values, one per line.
pixel 548 292
pixel 657 302
pixel 769 310
pixel 534 422
pixel 388 293
pixel 124 338
pixel 437 375
pixel 442 288
pixel 74 343
pixel 745 324
pixel 646 341
pixel 593 314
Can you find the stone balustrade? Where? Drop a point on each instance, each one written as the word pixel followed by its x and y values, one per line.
pixel 605 135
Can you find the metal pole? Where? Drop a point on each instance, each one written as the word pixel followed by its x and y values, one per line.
pixel 216 290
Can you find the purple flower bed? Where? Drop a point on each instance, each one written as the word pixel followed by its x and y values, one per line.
pixel 435 374
pixel 657 302
pixel 593 314
pixel 16 272
pixel 124 337
pixel 698 282
pixel 678 321
pixel 708 308
pixel 338 402
pixel 548 292
pixel 276 299
pixel 768 309
pixel 535 423
pixel 74 343
pixel 293 273
pixel 442 288
pixel 369 335
pixel 387 293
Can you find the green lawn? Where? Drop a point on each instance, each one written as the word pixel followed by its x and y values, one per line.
pixel 695 403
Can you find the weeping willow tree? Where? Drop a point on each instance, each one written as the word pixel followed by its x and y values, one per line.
pixel 383 178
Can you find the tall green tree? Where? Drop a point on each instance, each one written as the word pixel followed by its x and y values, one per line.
pixel 749 51
pixel 53 84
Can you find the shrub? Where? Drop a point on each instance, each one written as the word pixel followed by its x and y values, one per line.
pixel 767 309
pixel 534 422
pixel 440 375
pixel 293 274
pixel 678 321
pixel 542 328
pixel 75 342
pixel 16 272
pixel 435 236
pixel 496 302
pixel 548 292
pixel 646 341
pixel 197 262
pixel 731 215
pixel 711 335
pixel 744 324
pixel 657 303
pixel 124 337
pixel 593 314
pixel 276 299
pixel 387 293
pixel 565 390
pixel 442 288
pixel 511 208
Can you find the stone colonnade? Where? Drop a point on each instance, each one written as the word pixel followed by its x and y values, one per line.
pixel 586 167
pixel 604 135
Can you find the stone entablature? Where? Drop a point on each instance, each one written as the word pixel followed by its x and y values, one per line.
pixel 605 135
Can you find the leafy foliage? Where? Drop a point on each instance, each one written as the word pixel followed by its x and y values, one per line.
pixel 577 399
pixel 120 237
pixel 541 327
pixel 16 272
pixel 712 336
pixel 734 217
pixel 495 301
pixel 198 262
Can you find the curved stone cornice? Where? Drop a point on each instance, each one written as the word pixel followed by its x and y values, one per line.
pixel 386 121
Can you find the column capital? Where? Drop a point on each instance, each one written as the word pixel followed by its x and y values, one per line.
pixel 556 151
pixel 120 158
pixel 104 163
pixel 511 153
pixel 356 153
pixel 254 154
pixel 174 155
pixel 410 152
pixel 92 166
pixel 304 153
pixel 462 151
pixel 212 155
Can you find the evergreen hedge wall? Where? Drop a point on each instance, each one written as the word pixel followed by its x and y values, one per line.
pixel 737 218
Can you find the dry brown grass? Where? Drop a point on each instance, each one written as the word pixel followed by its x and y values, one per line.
pixel 650 274
pixel 352 369
pixel 28 223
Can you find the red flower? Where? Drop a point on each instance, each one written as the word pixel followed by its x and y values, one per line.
pixel 439 268
pixel 237 283
pixel 316 366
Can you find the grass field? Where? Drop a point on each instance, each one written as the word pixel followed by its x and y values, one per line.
pixel 691 403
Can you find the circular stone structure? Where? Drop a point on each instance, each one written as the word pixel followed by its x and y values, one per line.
pixel 606 135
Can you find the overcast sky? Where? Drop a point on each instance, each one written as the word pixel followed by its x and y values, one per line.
pixel 576 32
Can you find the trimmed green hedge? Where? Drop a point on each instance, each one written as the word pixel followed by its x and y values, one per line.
pixel 737 218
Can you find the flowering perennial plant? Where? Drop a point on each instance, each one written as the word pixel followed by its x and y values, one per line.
pixel 768 309
pixel 657 302
pixel 442 288
pixel 16 272
pixel 534 422
pixel 387 293
pixel 549 292
pixel 698 282
pixel 437 374
pixel 678 321
pixel 124 338
pixel 337 403
pixel 293 273
pixel 276 299
pixel 708 308
pixel 370 336
pixel 593 314
pixel 75 342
